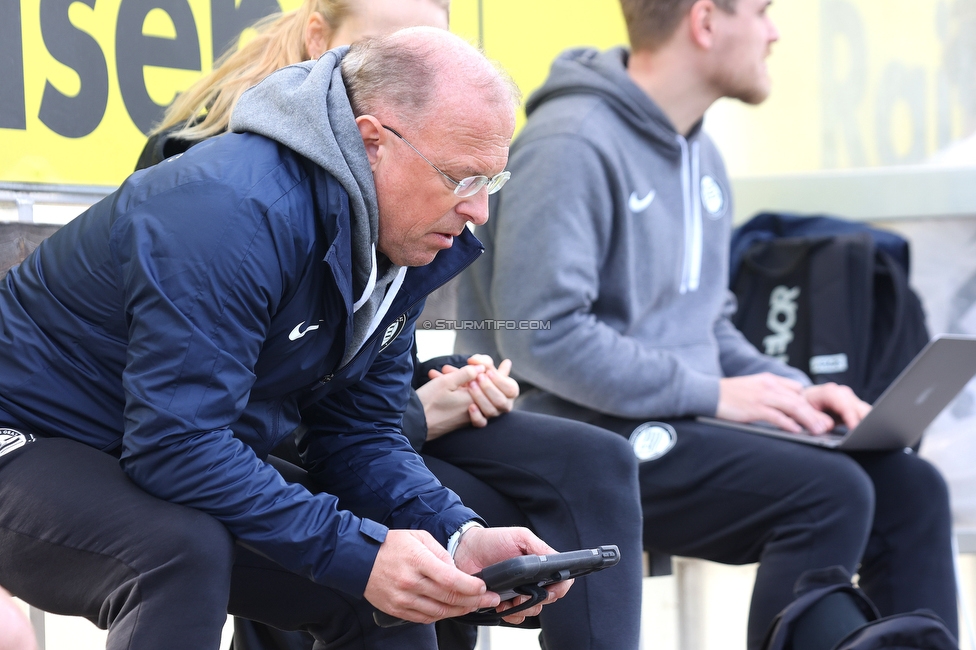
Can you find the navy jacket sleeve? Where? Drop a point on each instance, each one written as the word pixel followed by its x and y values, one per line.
pixel 200 283
pixel 368 464
pixel 415 422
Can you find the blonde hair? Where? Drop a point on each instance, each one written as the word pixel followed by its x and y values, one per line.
pixel 204 108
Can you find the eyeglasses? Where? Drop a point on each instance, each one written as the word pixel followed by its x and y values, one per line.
pixel 466 186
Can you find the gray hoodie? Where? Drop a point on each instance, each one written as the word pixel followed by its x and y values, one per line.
pixel 613 235
pixel 305 107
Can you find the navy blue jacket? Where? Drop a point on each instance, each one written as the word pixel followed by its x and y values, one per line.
pixel 194 318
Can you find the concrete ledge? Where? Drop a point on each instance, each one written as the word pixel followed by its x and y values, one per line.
pixel 878 193
pixel 966 540
pixel 40 203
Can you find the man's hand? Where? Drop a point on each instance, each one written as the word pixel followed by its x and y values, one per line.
pixel 782 402
pixel 414 578
pixel 839 400
pixel 482 547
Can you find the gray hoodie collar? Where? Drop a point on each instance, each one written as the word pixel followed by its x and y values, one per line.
pixel 305 107
pixel 589 71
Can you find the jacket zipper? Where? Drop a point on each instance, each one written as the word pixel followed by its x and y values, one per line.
pixel 325 380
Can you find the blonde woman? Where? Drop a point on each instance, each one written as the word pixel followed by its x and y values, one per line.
pixel 513 468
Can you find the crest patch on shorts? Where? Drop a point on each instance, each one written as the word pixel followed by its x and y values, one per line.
pixel 651 440
pixel 12 440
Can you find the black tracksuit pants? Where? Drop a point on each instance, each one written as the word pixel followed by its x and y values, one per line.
pixel 77 537
pixel 576 486
pixel 737 498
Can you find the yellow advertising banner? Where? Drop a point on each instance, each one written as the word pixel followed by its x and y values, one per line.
pixel 855 82
pixel 83 81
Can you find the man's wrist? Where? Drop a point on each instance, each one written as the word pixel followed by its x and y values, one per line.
pixel 455 540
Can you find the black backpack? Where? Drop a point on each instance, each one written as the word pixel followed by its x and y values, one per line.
pixel 830 613
pixel 829 297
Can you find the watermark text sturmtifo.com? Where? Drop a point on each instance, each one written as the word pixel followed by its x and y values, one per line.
pixel 489 324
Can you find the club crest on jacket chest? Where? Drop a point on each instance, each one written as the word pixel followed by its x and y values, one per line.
pixel 393 331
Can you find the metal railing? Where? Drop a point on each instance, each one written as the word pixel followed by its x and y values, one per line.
pixel 42 203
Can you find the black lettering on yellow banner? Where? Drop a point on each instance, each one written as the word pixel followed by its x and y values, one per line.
pixel 228 20
pixel 72 117
pixel 136 51
pixel 13 110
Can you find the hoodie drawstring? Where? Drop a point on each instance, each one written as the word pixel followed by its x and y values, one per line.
pixel 370 283
pixel 384 307
pixel 690 173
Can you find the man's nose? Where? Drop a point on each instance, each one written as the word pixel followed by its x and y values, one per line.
pixel 475 208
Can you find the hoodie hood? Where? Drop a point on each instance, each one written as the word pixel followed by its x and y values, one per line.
pixel 586 71
pixel 305 108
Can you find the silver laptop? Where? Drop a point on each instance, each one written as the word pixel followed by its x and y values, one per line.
pixel 899 417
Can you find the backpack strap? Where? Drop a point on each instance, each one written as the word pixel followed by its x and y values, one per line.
pixel 918 630
pixel 898 329
pixel 827 608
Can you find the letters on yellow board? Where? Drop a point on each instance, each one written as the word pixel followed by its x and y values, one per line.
pixel 855 82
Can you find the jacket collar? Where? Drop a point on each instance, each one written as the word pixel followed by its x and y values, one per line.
pixel 422 280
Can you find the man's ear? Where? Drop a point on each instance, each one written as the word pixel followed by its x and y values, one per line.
pixel 318 32
pixel 373 134
pixel 701 23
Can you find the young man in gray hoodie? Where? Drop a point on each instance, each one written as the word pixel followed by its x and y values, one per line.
pixel 611 244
